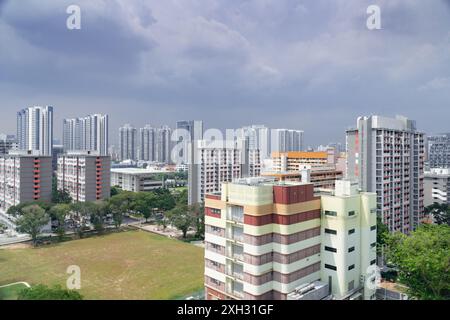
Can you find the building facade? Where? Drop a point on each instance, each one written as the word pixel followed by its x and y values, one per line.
pixel 322 176
pixel 349 239
pixel 264 239
pixel 386 156
pixel 85 176
pixel 439 151
pixel 215 162
pixel 128 143
pixel 90 133
pixel 258 139
pixel 7 143
pixel 136 179
pixel 24 177
pixel 164 145
pixel 187 131
pixel 284 140
pixel 437 186
pixel 35 130
pixel 147 141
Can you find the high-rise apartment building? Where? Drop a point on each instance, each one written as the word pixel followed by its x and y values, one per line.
pixel 85 175
pixel 128 143
pixel 213 162
pixel 90 133
pixel 25 176
pixel 264 240
pixel 35 130
pixel 284 140
pixel 439 151
pixel 147 142
pixel 187 131
pixel 164 145
pixel 258 139
pixel 386 156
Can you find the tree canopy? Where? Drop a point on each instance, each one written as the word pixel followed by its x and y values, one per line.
pixel 32 220
pixel 423 261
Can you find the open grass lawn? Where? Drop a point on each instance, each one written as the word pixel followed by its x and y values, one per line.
pixel 11 292
pixel 125 265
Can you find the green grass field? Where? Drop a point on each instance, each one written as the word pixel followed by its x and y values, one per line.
pixel 126 265
pixel 11 292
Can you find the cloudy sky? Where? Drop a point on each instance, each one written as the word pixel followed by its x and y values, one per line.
pixel 301 64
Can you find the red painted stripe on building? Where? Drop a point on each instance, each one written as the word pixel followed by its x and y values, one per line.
pixel 281 219
pixel 293 194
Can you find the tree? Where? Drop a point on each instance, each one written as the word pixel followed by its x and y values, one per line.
pixel 181 219
pixel 115 191
pixel 197 211
pixel 182 197
pixel 162 220
pixel 100 210
pixel 165 199
pixel 32 220
pixel 60 212
pixel 17 211
pixel 439 212
pixel 81 212
pixel 117 215
pixel 121 204
pixel 423 261
pixel 382 234
pixel 144 204
pixel 42 292
pixel 59 196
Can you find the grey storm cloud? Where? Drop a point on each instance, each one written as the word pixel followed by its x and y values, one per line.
pixel 303 64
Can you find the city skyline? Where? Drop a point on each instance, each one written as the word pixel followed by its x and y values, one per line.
pixel 252 70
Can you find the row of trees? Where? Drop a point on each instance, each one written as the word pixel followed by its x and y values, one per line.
pixel 160 205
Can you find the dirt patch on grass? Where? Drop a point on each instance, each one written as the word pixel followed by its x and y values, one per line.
pixel 16 246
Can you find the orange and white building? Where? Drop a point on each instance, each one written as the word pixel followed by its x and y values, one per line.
pixel 318 168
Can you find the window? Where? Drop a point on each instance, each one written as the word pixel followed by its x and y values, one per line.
pixel 351 213
pixel 330 249
pixel 328 266
pixel 330 213
pixel 373 262
pixel 351 249
pixel 372 228
pixel 351 231
pixel 351 267
pixel 373 245
pixel 330 231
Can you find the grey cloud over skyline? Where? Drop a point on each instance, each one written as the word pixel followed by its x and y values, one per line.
pixel 301 64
